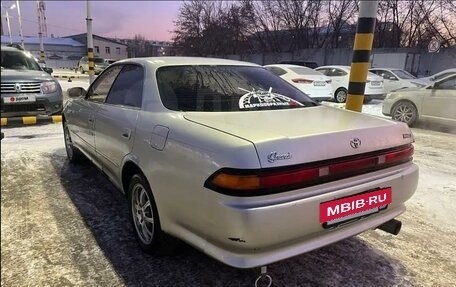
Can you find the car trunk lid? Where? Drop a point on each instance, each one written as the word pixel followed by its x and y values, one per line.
pixel 305 135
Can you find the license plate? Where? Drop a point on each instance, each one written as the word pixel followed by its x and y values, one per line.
pixel 347 208
pixel 19 99
pixel 376 83
pixel 318 83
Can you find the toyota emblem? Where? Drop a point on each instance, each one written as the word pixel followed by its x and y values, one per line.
pixel 355 143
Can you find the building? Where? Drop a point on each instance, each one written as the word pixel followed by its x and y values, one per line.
pixel 59 52
pixel 104 47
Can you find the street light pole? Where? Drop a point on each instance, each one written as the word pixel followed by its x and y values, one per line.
pixel 9 27
pixel 40 30
pixel 20 22
pixel 90 44
pixel 8 20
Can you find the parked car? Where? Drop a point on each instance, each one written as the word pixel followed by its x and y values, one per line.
pixel 100 65
pixel 308 64
pixel 438 76
pixel 436 102
pixel 110 61
pixel 340 79
pixel 235 161
pixel 26 88
pixel 313 83
pixel 396 79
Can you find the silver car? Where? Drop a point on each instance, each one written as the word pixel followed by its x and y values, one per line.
pixel 235 161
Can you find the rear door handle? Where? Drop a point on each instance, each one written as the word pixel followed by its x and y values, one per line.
pixel 126 133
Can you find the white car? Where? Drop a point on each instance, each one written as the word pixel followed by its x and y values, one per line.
pixel 235 161
pixel 340 78
pixel 438 76
pixel 311 82
pixel 433 103
pixel 396 79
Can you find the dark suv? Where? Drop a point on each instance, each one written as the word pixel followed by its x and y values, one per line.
pixel 26 88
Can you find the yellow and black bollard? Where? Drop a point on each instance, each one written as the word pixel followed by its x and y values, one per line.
pixel 91 62
pixel 361 54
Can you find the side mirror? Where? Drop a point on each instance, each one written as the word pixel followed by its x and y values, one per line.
pixel 76 92
pixel 48 70
pixel 393 78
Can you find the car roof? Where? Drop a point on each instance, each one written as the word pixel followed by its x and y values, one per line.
pixel 390 69
pixel 335 66
pixel 446 71
pixel 183 61
pixel 8 48
pixel 286 66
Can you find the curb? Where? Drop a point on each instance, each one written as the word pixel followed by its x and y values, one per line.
pixel 31 120
pixel 73 77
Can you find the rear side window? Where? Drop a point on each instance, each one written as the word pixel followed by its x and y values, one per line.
pixel 276 71
pixel 127 88
pixel 226 88
pixel 335 73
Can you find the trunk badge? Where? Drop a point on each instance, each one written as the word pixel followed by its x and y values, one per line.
pixel 273 156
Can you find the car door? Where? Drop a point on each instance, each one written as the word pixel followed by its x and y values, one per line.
pixel 84 115
pixel 440 101
pixel 115 121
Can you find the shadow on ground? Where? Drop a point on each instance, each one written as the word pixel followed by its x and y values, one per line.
pixel 104 209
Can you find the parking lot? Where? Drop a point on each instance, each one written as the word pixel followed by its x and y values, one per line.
pixel 66 225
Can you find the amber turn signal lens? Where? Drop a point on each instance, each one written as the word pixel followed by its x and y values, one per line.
pixel 237 182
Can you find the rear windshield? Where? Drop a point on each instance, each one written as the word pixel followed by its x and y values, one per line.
pixel 304 71
pixel 226 88
pixel 18 60
pixel 404 74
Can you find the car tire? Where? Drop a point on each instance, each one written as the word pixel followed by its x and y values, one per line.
pixel 340 96
pixel 145 219
pixel 405 111
pixel 81 69
pixel 74 155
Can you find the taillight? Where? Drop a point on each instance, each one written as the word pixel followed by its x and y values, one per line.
pixel 302 81
pixel 266 181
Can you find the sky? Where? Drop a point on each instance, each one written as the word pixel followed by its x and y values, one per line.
pixel 116 19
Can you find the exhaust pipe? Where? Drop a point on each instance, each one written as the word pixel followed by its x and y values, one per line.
pixel 393 226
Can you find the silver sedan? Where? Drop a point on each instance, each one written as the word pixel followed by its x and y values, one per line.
pixel 235 161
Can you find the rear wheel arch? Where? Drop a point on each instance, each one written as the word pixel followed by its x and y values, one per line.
pixel 129 169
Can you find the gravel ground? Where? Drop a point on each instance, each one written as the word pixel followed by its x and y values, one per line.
pixel 66 225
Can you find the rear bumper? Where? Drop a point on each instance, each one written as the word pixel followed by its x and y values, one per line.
pixel 251 232
pixel 376 96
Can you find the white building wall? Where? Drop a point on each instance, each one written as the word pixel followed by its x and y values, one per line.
pixel 109 50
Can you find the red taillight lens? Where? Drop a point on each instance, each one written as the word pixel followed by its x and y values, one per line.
pixel 302 81
pixel 261 182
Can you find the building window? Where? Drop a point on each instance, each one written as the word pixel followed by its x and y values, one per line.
pixel 97 49
pixel 118 51
pixel 108 50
